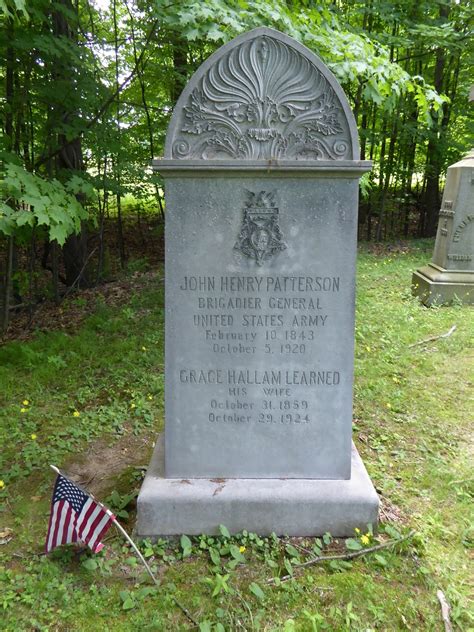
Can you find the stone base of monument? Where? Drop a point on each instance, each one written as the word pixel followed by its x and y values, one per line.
pixel 438 286
pixel 295 507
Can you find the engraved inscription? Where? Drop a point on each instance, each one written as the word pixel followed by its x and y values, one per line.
pixel 268 316
pixel 454 257
pixel 260 236
pixel 263 100
pixel 256 377
pixel 448 204
pixel 444 213
pixel 278 284
pixel 466 221
pixel 284 320
pixel 277 406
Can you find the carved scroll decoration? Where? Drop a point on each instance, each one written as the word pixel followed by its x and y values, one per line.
pixel 263 100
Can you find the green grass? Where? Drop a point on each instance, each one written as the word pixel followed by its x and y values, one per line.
pixel 412 413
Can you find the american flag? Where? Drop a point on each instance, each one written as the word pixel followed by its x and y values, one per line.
pixel 76 517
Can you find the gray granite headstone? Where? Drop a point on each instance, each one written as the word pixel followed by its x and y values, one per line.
pixel 450 275
pixel 261 172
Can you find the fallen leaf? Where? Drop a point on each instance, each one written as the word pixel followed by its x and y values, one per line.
pixel 6 535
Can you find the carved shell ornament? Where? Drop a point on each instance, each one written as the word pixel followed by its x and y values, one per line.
pixel 262 100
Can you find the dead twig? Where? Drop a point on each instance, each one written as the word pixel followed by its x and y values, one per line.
pixel 68 291
pixel 433 338
pixel 444 611
pixel 344 556
pixel 78 278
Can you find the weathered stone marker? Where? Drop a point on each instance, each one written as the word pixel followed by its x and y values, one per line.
pixel 450 275
pixel 261 169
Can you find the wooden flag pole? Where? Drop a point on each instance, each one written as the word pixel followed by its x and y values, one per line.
pixel 137 551
pixel 184 610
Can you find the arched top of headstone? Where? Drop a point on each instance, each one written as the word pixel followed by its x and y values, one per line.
pixel 262 96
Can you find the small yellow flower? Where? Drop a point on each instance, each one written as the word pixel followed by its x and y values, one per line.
pixel 368 349
pixel 76 413
pixel 143 348
pixel 357 530
pixel 150 397
pixel 132 405
pixel 388 405
pixel 2 484
pixel 365 539
pixel 33 437
pixel 396 380
pixel 242 549
pixel 25 402
pixel 23 410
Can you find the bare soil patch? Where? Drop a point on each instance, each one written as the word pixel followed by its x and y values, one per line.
pixel 103 462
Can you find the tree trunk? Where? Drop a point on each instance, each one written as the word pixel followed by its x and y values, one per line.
pixel 180 65
pixel 70 155
pixel 433 153
pixel 5 286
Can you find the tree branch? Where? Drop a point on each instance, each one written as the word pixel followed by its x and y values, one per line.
pixel 344 556
pixel 45 158
pixel 433 338
pixel 444 611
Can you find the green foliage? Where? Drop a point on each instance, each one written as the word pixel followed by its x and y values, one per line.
pixel 186 545
pixel 13 9
pixel 118 503
pixel 257 591
pixel 29 201
pixel 353 545
pixel 352 56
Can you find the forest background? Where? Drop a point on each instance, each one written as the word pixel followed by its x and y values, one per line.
pixel 88 87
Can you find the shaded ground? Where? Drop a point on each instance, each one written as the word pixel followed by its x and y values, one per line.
pixel 67 317
pixel 33 306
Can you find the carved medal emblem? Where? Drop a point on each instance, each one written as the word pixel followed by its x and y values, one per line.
pixel 260 236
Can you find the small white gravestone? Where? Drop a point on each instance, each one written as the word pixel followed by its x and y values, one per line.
pixel 450 275
pixel 261 172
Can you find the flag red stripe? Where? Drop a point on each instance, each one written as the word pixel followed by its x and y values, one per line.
pixel 90 537
pixel 106 527
pixel 72 527
pixel 62 524
pixel 101 529
pixel 46 545
pixel 84 516
pixel 86 531
pixel 74 530
pixel 67 521
pixel 59 512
